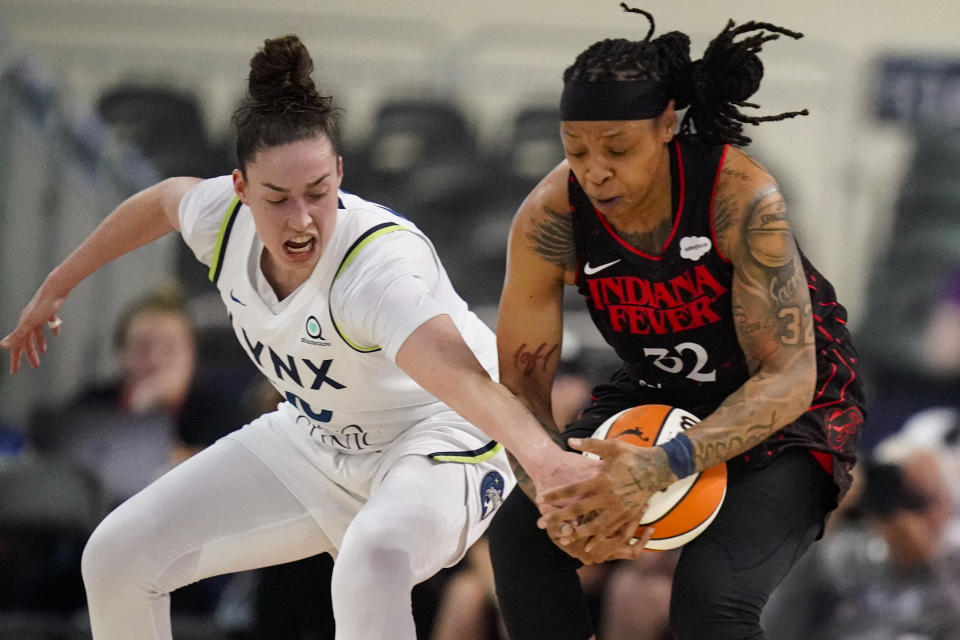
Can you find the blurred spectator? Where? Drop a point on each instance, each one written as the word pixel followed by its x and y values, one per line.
pixel 890 571
pixel 636 602
pixel 571 386
pixel 157 411
pixel 468 608
pixel 124 429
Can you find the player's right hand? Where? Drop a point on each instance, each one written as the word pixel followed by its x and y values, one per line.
pixel 568 468
pixel 27 339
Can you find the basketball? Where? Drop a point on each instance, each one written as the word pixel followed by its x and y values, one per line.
pixel 686 508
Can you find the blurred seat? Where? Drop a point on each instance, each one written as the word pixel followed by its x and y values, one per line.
pixel 535 147
pixel 48 507
pixel 408 134
pixel 165 124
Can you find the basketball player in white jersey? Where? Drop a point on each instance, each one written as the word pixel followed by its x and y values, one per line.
pixel 386 451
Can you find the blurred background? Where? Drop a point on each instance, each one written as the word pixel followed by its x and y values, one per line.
pixel 450 118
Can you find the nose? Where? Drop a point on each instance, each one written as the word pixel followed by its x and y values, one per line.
pixel 596 172
pixel 300 219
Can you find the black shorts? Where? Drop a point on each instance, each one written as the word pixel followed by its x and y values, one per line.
pixel 769 518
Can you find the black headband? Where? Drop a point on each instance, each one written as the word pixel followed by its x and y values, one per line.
pixel 612 100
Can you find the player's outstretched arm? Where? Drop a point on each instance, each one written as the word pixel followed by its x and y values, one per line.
pixel 137 221
pixel 437 358
pixel 540 255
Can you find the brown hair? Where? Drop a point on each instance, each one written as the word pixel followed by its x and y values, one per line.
pixel 282 103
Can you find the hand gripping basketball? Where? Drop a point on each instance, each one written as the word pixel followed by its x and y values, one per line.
pixel 683 510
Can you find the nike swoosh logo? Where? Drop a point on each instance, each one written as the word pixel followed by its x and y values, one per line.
pixel 588 270
pixel 236 299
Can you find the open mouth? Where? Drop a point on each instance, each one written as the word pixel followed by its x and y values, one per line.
pixel 300 246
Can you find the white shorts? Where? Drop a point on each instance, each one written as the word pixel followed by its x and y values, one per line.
pixel 333 485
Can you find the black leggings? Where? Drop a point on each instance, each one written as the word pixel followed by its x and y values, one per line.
pixel 769 518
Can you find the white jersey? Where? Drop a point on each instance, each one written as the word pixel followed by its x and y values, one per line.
pixel 329 347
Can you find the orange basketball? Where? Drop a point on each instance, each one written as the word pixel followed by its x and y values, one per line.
pixel 683 510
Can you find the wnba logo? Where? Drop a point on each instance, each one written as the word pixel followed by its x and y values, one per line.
pixel 314 333
pixel 491 493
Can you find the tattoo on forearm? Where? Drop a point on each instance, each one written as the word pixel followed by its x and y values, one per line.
pixel 527 360
pixel 523 478
pixel 709 451
pixel 552 238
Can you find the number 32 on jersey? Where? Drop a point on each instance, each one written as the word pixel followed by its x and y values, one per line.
pixel 673 361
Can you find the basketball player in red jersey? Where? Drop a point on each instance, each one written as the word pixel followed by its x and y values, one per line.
pixel 681 248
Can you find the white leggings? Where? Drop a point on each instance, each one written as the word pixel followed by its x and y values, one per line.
pixel 224 511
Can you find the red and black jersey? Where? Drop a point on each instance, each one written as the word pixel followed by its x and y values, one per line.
pixel 670 320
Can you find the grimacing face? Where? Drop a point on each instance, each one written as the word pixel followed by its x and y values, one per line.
pixel 616 161
pixel 292 191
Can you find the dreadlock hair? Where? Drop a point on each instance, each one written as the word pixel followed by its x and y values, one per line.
pixel 282 104
pixel 714 87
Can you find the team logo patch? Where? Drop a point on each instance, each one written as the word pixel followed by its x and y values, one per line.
pixel 694 247
pixel 314 333
pixel 491 493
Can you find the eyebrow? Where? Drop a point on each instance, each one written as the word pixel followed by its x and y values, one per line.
pixel 274 187
pixel 611 134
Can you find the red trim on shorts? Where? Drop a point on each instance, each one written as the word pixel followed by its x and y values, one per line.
pixel 824 459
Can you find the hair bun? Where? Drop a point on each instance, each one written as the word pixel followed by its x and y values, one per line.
pixel 674 66
pixel 728 78
pixel 280 71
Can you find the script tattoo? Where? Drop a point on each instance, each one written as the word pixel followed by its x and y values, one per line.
pixel 646 479
pixel 711 451
pixel 552 238
pixel 736 173
pixel 527 361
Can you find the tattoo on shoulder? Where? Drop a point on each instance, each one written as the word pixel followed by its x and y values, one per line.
pixel 723 214
pixel 736 173
pixel 552 238
pixel 756 164
pixel 766 233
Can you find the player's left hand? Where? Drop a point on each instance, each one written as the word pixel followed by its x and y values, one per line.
pixel 620 546
pixel 604 506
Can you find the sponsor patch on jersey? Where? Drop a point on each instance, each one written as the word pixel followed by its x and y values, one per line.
pixel 694 247
pixel 314 333
pixel 491 493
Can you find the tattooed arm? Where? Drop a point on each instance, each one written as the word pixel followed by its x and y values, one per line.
pixel 540 258
pixel 772 316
